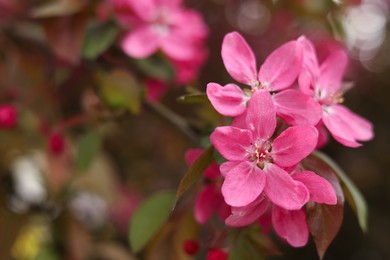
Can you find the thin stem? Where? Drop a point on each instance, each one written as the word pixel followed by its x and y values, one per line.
pixel 174 118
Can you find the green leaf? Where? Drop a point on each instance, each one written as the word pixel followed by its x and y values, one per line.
pixel 119 89
pixel 58 8
pixel 149 218
pixel 156 67
pixel 97 39
pixel 351 192
pixel 196 98
pixel 195 171
pixel 88 148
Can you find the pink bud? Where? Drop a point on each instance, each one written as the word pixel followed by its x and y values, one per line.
pixel 191 247
pixel 56 143
pixel 8 116
pixel 217 254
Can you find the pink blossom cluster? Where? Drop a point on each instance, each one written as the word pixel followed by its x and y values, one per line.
pixel 162 25
pixel 278 118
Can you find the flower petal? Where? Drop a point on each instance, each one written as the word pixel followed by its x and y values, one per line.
pixel 293 145
pixel 229 100
pixel 243 183
pixel 244 216
pixel 231 142
pixel 296 108
pixel 177 45
pixel 282 66
pixel 347 127
pixel 282 190
pixel 310 69
pixel 140 43
pixel 207 202
pixel 290 225
pixel 331 73
pixel 239 59
pixel 212 172
pixel 261 115
pixel 321 191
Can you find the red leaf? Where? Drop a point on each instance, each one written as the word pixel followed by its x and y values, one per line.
pixel 323 220
pixel 65 35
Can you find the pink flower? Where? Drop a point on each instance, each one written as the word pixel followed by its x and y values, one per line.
pixel 8 116
pixel 256 163
pixel 209 199
pixel 277 73
pixel 291 224
pixel 324 84
pixel 160 24
pixel 155 89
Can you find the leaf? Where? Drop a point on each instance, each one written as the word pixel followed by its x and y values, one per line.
pixel 193 98
pixel 119 89
pixel 97 39
pixel 58 8
pixel 65 35
pixel 156 67
pixel 324 221
pixel 250 243
pixel 88 148
pixel 351 192
pixel 195 171
pixel 148 219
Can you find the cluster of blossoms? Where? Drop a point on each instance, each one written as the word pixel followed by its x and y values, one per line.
pixel 162 25
pixel 278 121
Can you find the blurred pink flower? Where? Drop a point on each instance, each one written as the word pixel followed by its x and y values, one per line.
pixel 278 72
pixel 256 163
pixel 209 199
pixel 155 89
pixel 8 116
pixel 160 24
pixel 324 83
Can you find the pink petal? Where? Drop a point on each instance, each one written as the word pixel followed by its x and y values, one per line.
pixel 231 142
pixel 293 145
pixel 282 190
pixel 261 115
pixel 347 127
pixel 140 42
pixel 240 121
pixel 207 201
pixel 310 69
pixel 191 155
pixel 282 66
pixel 243 183
pixel 144 9
pixel 178 46
pixel 321 191
pixel 169 3
pixel 229 100
pixel 239 59
pixel 323 136
pixel 244 216
pixel 182 17
pixel 331 73
pixel 296 108
pixel 290 225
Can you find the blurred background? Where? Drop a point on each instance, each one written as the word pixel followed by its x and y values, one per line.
pixel 85 135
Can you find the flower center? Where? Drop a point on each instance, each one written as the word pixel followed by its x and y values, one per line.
pixel 329 99
pixel 259 152
pixel 256 85
pixel 161 22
